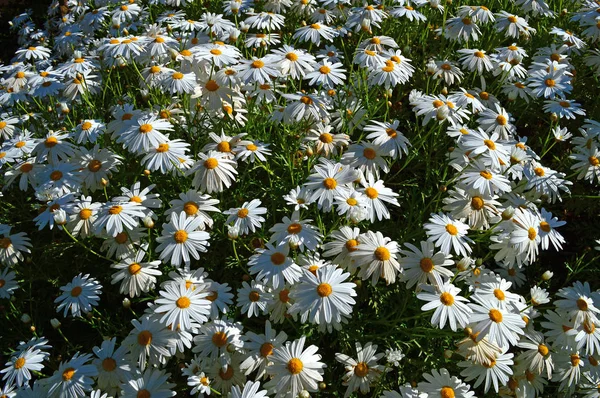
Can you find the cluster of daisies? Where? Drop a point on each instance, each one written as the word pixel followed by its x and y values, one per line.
pixel 179 90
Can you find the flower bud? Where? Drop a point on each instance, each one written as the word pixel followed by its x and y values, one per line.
pixel 60 217
pixel 508 213
pixel 25 318
pixel 448 354
pixel 146 172
pixel 304 394
pixel 104 182
pixel 55 323
pixel 148 222
pixel 322 386
pixel 547 275
pixel 126 303
pixel 442 113
pixel 233 232
pixel 553 117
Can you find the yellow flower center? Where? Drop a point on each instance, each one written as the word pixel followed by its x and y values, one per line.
pixel 542 349
pixel 382 253
pixel 292 57
pixel 361 369
pixel 134 268
pixel 219 339
pixel 254 296
pixel 242 213
pixel 486 174
pixel 56 175
pixel 324 69
pixel 499 294
pixel 501 120
pixel 446 299
pixel 115 210
pixel 68 374
pixel 266 349
pixel 94 166
pixel 495 315
pixel 324 289
pixel 211 85
pixel 177 75
pixel 51 142
pixel 447 392
pixel 329 183
pixel 211 163
pixel 531 233
pixel 351 202
pixel 544 226
pixel 371 193
pixel 278 258
pixel 477 203
pixel 326 138
pixel 582 304
pixel 143 394
pixel 257 64
pixel 5 243
pixel 490 144
pixel 426 264
pixel 294 228
pixel 19 363
pixel 180 236
pixel 550 82
pixel 144 338
pixel 451 229
pixel 190 208
pixel 295 366
pixel 228 374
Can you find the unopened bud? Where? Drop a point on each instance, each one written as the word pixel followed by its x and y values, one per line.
pixel 304 394
pixel 146 172
pixel 444 91
pixel 25 318
pixel 547 275
pixel 148 222
pixel 448 354
pixel 60 217
pixel 104 182
pixel 508 213
pixel 55 323
pixel 553 117
pixel 233 232
pixel 322 386
pixel 126 303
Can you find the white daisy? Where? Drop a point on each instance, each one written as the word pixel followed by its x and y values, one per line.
pixel 180 238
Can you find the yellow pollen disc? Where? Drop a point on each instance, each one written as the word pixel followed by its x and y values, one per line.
pixel 278 258
pixel 211 163
pixel 499 294
pixel 19 144
pixel 351 201
pixel 495 315
pixel 477 203
pixel 50 142
pixel 324 289
pixel 451 229
pixel 315 26
pixel 242 213
pixel 479 54
pixel 351 245
pixel 490 144
pixel 531 233
pixel 447 299
pixel 426 264
pixel 437 103
pixel 76 291
pixel 330 183
pixel 257 64
pixel 84 214
pixel 219 339
pixel 266 349
pixel 501 120
pixel 2 283
pixel 86 126
pixel 183 302
pixel 284 296
pixel 216 51
pixel 180 236
pixel 134 268
pixel 409 8
pixel 190 208
pixel 291 56
pixel 324 69
pixel 159 40
pixel 512 19
pixel 20 75
pixel 165 114
pixel 575 360
pixel 228 374
pixel 115 210
pixel 486 174
pixel 295 366
pixel 447 392
pixel 369 153
pixel 186 53
pixel 121 238
pixel 582 304
pixel 68 374
pixel 446 66
pixel 145 128
pixel 212 296
pixel 550 82
pixel 544 226
pixel 265 86
pixel 313 269
pixel 294 228
pixel 94 166
pixel 542 349
pixel 56 175
pixel 370 52
pixel 109 364
pixel 5 243
pixel 3 124
pixel 389 67
pixel 254 296
pixel 230 72
pixel 396 59
pixel 391 133
pixel 306 100
pixel 484 95
pixel 326 138
pixel 594 161
pixel 177 75
pixel 371 193
pixel 211 85
pixel 162 148
pixel 143 394
pixel 19 363
pixel 382 254
pixel 224 146
pixel 361 369
pixel 127 116
pixel 513 384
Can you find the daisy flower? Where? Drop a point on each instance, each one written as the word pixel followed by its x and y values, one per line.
pixel 361 372
pixel 327 74
pixel 343 242
pixel 12 247
pixel 115 217
pixel 378 194
pixel 296 233
pixel 80 295
pixel 299 197
pixel 257 70
pixel 213 171
pixel 330 179
pixel 247 150
pixel 314 33
pixel 579 303
pixel 494 322
pixel 135 275
pixel 20 366
pixel 448 234
pixel 449 306
pixel 145 133
pixel 195 205
pixel 353 204
pixel 440 383
pixel 152 383
pixel 376 256
pixel 73 377
pixel 387 137
pixel 253 298
pixel 323 298
pixel 485 179
pixel 248 217
pixel 113 367
pixel 148 342
pixel 425 265
pixel 217 339
pixel 166 156
pixel 260 349
pixel 250 391
pixel 225 377
pixel 273 266
pixel 497 121
pixel 326 142
pixel 475 60
pixel 295 369
pixel 367 157
pixel 537 355
pixel 525 234
pixel 180 238
pixel 476 209
pixel 495 373
pixel 180 83
pixel 294 62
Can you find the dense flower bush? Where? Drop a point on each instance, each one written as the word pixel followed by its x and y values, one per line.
pixel 293 198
